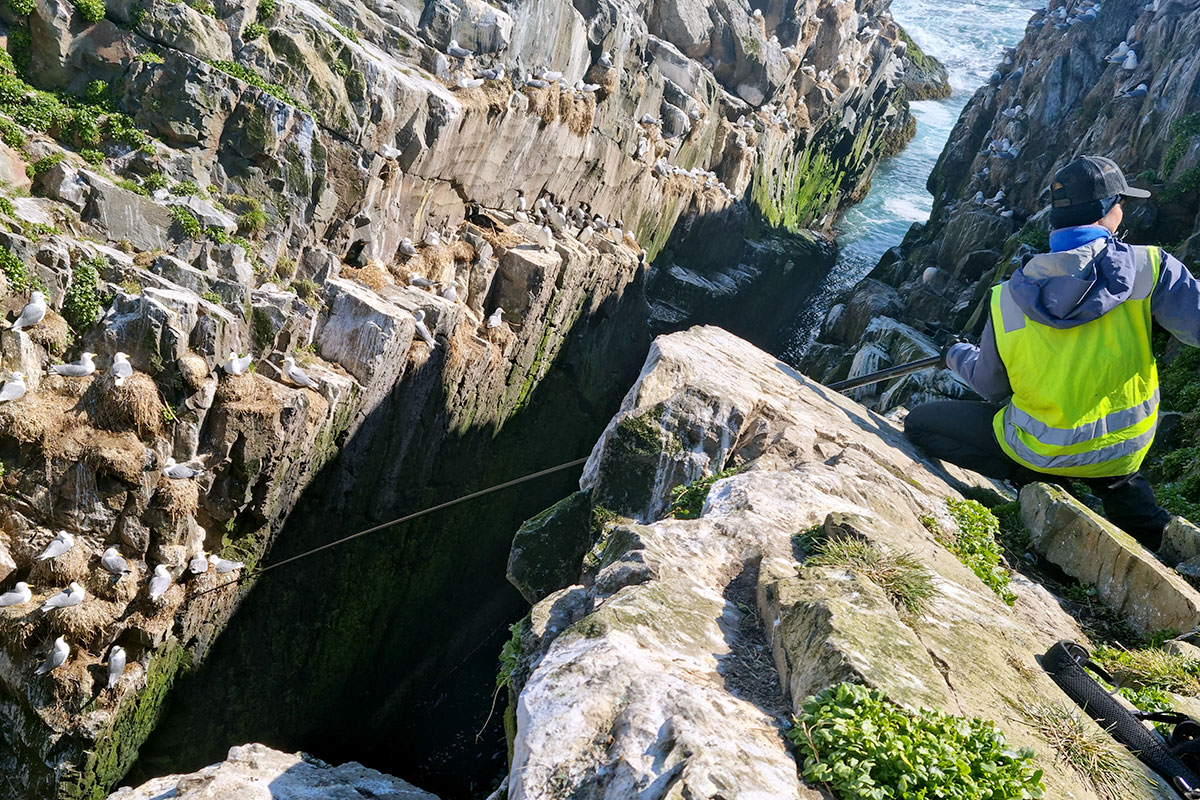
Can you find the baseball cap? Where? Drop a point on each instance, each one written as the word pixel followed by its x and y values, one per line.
pixel 1089 179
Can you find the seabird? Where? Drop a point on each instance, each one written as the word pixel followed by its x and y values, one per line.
pixel 61 544
pixel 432 239
pixel 235 365
pixel 535 83
pixel 459 52
pixel 19 595
pixel 407 247
pixel 416 280
pixel 1139 91
pixel 33 312
pixel 549 75
pixel 297 375
pixel 112 562
pixel 422 330
pixel 71 596
pixel 180 472
pixel 469 83
pixel 198 564
pixel 120 369
pixel 1130 63
pixel 14 388
pixel 929 274
pixel 223 565
pixel 79 369
pixel 450 293
pixel 545 238
pixel 606 60
pixel 493 320
pixel 116 664
pixel 58 657
pixel 1118 54
pixel 160 581
pixel 495 74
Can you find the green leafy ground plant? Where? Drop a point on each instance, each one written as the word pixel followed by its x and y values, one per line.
pixel 976 545
pixel 688 501
pixel 864 747
pixel 81 304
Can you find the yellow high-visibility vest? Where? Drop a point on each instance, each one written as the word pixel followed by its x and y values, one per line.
pixel 1085 399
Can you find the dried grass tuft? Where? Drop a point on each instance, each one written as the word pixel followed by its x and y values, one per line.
pixel 178 499
pixel 318 407
pixel 543 102
pixel 373 276
pixel 52 333
pixel 134 405
pixel 502 239
pixel 74 388
pixel 491 97
pixel 581 113
pixel 193 369
pixel 120 455
pixel 247 392
pixel 38 418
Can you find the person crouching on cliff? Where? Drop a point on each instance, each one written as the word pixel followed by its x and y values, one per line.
pixel 1065 358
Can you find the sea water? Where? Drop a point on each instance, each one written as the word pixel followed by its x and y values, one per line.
pixel 969 37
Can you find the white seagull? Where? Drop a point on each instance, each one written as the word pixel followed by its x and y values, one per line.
pixel 297 375
pixel 14 388
pixel 493 320
pixel 223 565
pixel 58 657
pixel 71 596
pixel 422 330
pixel 198 564
pixel 159 582
pixel 235 365
pixel 80 369
pixel 121 368
pixel 19 595
pixel 459 52
pixel 416 280
pixel 432 239
pixel 545 238
pixel 33 312
pixel 180 472
pixel 407 247
pixel 469 83
pixel 112 562
pixel 1130 63
pixel 116 664
pixel 61 544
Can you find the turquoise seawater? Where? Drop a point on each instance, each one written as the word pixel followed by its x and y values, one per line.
pixel 969 38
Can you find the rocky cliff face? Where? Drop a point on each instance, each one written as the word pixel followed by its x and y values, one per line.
pixel 668 653
pixel 187 180
pixel 1069 88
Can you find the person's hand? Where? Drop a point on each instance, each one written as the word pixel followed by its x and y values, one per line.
pixel 945 352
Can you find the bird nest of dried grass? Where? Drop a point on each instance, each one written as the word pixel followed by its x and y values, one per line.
pixel 435 261
pixel 178 499
pixel 38 418
pixel 249 391
pixel 373 276
pixel 491 97
pixel 134 405
pixel 543 102
pixel 606 78
pixel 193 369
pixel 577 112
pixel 51 333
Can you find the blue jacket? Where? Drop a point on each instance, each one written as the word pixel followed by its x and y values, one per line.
pixel 1086 274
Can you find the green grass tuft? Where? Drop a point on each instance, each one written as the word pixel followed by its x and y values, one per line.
pixel 907 582
pixel 688 501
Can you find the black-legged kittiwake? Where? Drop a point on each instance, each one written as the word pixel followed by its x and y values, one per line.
pixel 71 596
pixel 14 388
pixel 606 60
pixel 223 565
pixel 116 664
pixel 121 368
pixel 459 52
pixel 493 320
pixel 198 564
pixel 1137 92
pixel 19 595
pixel 160 581
pixel 536 83
pixel 416 280
pixel 112 562
pixel 61 544
pixel 33 312
pixel 58 657
pixel 494 74
pixel 297 375
pixel 407 247
pixel 80 369
pixel 469 83
pixel 1130 63
pixel 180 472
pixel 547 74
pixel 422 330
pixel 432 239
pixel 450 293
pixel 235 365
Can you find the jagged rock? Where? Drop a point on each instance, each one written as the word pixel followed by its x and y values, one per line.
pixel 676 625
pixel 1181 542
pixel 1149 595
pixel 63 183
pixel 548 549
pixel 125 216
pixel 255 771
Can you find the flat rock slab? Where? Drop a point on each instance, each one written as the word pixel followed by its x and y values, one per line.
pixel 256 772
pixel 1149 595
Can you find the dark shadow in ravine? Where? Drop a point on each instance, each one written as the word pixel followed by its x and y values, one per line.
pixel 384 650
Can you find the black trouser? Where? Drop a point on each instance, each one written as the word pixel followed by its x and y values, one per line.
pixel 960 432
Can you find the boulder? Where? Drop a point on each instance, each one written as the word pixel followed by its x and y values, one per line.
pixel 1147 594
pixel 125 216
pixel 547 551
pixel 256 772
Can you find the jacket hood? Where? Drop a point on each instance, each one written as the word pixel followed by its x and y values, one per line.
pixel 1073 287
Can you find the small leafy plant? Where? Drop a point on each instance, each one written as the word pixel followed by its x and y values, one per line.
pixel 188 224
pixel 864 747
pixel 81 304
pixel 976 545
pixel 687 501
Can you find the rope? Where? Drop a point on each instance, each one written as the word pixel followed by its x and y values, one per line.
pixel 397 521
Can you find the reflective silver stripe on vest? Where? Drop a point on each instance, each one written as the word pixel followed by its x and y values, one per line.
pixel 1110 453
pixel 1143 281
pixel 1118 420
pixel 1011 313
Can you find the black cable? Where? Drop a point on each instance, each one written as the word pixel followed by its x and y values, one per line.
pixel 397 521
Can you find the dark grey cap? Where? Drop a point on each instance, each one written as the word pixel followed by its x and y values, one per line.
pixel 1088 179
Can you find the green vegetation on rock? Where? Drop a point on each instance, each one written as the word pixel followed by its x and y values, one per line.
pixel 44 165
pixel 81 304
pixel 1182 130
pixel 21 8
pixel 92 10
pixel 904 579
pixel 1090 752
pixel 254 79
pixel 864 747
pixel 17 274
pixel 687 501
pixel 253 31
pixel 188 224
pixel 1151 668
pixel 975 545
